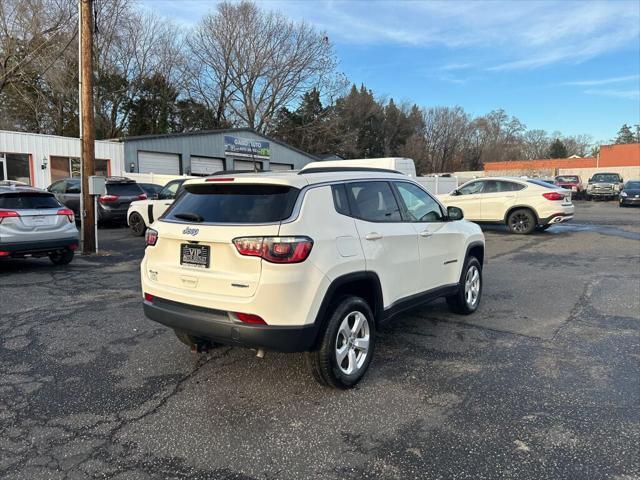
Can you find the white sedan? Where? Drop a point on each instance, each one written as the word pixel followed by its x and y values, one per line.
pixel 522 204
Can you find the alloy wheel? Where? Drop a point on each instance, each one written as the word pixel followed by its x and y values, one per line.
pixel 520 222
pixel 472 286
pixel 352 343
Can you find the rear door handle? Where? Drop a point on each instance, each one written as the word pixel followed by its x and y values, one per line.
pixel 373 236
pixel 425 233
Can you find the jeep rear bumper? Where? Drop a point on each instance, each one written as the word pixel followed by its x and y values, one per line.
pixel 217 325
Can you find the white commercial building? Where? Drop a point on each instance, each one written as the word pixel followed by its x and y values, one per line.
pixel 40 160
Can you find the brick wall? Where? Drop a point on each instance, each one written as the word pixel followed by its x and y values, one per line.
pixel 625 155
pixel 547 164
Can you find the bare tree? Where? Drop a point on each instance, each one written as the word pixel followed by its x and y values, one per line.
pixel 536 144
pixel 256 62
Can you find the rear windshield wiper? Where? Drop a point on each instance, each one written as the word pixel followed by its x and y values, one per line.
pixel 194 217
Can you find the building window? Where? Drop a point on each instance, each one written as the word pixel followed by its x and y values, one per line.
pixel 64 167
pixel 15 166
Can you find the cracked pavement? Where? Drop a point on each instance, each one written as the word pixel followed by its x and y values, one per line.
pixel 542 382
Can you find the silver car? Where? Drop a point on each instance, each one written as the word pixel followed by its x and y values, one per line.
pixel 34 224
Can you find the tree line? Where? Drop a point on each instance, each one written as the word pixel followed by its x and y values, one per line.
pixel 240 66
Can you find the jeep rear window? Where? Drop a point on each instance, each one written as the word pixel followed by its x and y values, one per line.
pixel 236 204
pixel 124 189
pixel 28 200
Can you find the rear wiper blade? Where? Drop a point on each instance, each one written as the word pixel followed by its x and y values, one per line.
pixel 194 217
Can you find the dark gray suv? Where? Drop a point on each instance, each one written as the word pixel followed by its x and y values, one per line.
pixel 112 207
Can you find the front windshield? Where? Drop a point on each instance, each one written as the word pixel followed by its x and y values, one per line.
pixel 567 178
pixel 632 186
pixel 606 178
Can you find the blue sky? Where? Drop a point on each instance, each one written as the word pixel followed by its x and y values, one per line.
pixel 567 66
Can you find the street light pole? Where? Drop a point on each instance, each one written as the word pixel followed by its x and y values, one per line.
pixel 87 129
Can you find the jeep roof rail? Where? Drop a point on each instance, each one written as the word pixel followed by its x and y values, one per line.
pixel 304 171
pixel 232 172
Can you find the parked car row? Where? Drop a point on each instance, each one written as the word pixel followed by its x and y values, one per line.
pixel 112 206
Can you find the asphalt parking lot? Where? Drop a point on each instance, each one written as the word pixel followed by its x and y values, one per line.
pixel 542 382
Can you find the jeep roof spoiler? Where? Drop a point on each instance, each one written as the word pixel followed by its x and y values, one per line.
pixel 346 169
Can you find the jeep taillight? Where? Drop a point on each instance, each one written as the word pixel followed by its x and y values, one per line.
pixel 8 214
pixel 151 237
pixel 275 249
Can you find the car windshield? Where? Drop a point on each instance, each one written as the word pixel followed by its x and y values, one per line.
pixel 632 186
pixel 606 178
pixel 28 200
pixel 541 183
pixel 567 179
pixel 124 189
pixel 237 204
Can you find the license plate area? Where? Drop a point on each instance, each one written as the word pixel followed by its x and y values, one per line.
pixel 195 256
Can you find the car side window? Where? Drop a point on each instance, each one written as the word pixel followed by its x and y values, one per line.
pixel 340 201
pixel 73 186
pixel 169 190
pixel 373 202
pixel 471 188
pixel 57 187
pixel 419 206
pixel 499 186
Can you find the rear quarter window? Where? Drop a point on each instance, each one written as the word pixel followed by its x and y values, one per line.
pixel 28 201
pixel 235 204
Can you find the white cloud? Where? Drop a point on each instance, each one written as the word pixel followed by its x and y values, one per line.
pixel 604 81
pixel 626 94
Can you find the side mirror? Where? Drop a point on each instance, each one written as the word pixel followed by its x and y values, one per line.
pixel 454 192
pixel 454 213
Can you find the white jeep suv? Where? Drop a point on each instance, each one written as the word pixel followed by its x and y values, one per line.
pixel 306 262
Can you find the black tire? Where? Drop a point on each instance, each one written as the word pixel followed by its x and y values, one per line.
pixel 587 197
pixel 136 224
pixel 521 221
pixel 621 204
pixel 459 303
pixel 324 363
pixel 195 343
pixel 63 257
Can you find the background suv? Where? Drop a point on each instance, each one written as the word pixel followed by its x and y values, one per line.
pixel 143 213
pixel 112 207
pixel 522 204
pixel 307 262
pixel 33 223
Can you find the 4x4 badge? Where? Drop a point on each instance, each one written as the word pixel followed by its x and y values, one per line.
pixel 191 231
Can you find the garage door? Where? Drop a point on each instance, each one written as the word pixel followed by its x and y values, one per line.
pixel 205 165
pixel 280 166
pixel 245 165
pixel 163 163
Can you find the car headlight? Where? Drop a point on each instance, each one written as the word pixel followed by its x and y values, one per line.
pixel 590 186
pixel 616 187
pixel 623 194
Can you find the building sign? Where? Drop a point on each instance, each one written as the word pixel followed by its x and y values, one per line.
pixel 246 147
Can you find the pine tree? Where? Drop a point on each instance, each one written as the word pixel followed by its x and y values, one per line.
pixel 557 149
pixel 625 135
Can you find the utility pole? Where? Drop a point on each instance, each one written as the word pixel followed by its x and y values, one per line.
pixel 87 130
